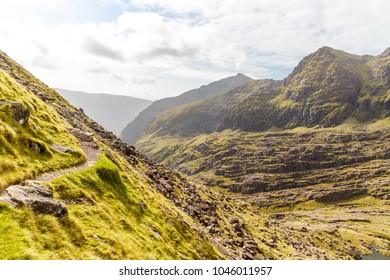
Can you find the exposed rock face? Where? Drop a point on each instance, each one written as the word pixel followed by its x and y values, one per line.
pixel 21 113
pixel 35 197
pixel 61 149
pixel 322 165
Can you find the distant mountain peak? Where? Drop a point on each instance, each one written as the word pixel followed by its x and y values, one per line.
pixel 385 53
pixel 242 75
pixel 135 129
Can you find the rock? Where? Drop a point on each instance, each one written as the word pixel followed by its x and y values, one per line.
pixel 36 146
pixel 165 184
pixel 271 244
pixel 35 197
pixel 182 256
pixel 21 113
pixel 154 232
pixel 44 96
pixel 278 216
pixel 61 149
pixel 248 256
pixel 86 136
pixel 338 193
pixel 304 229
pixel 194 210
pixel 219 172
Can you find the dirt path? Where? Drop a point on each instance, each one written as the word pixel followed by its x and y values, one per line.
pixel 90 151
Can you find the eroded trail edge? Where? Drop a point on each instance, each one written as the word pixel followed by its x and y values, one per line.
pixel 91 151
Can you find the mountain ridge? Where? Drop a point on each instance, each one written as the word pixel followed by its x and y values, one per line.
pixel 134 129
pixel 113 112
pixel 325 88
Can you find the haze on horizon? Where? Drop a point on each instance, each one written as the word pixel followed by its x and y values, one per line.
pixel 153 49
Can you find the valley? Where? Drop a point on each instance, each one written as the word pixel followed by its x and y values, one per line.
pixel 237 174
pixel 311 150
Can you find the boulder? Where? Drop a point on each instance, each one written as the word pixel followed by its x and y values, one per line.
pixel 21 113
pixel 37 198
pixel 61 149
pixel 86 136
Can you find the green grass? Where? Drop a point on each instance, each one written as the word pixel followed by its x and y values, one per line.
pixel 112 207
pixel 113 226
pixel 17 160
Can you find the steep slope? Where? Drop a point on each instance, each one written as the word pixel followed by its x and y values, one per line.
pixel 101 211
pixel 134 130
pixel 113 112
pixel 326 88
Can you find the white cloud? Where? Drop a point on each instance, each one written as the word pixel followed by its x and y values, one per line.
pixel 143 81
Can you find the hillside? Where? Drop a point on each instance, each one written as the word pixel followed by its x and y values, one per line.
pixel 113 112
pixel 206 115
pixel 135 129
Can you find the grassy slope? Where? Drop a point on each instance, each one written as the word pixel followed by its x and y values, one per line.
pixel 120 212
pixel 18 161
pixel 115 222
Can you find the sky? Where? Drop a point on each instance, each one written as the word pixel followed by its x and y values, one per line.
pixel 157 48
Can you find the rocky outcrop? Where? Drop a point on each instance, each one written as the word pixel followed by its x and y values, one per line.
pixel 21 114
pixel 37 198
pixel 85 136
pixel 61 149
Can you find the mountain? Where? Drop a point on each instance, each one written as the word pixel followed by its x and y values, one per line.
pixel 206 115
pixel 313 143
pixel 113 112
pixel 326 88
pixel 134 129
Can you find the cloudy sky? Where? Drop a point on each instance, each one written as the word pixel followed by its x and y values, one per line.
pixel 157 48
